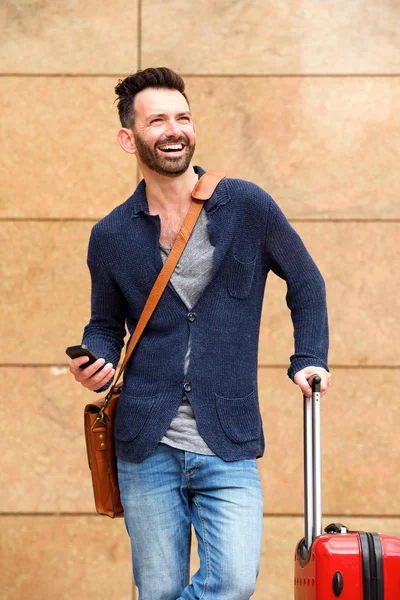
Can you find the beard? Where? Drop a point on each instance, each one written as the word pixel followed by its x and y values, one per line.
pixel 165 164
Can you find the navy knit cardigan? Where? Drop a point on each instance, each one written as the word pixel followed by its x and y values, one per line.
pixel 251 236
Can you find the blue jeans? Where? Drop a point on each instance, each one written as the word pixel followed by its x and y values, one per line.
pixel 172 489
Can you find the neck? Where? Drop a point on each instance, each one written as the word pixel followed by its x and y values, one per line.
pixel 169 194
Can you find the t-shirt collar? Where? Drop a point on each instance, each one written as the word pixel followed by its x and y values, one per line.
pixel 139 204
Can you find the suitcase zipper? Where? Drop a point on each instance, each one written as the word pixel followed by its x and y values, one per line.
pixel 372 569
pixel 378 557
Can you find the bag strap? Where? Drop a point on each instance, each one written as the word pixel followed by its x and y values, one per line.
pixel 202 191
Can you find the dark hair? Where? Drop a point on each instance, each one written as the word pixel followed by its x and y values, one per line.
pixel 126 89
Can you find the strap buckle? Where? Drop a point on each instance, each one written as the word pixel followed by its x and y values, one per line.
pixel 101 416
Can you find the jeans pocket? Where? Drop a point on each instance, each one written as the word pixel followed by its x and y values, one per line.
pixel 239 417
pixel 131 415
pixel 241 278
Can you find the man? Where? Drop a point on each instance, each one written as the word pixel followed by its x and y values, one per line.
pixel 188 427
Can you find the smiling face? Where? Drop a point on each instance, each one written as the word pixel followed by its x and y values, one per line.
pixel 164 134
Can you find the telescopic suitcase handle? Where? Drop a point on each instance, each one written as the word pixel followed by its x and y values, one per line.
pixel 312 464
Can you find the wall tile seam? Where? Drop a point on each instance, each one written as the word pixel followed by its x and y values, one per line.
pixel 265 515
pixel 95 220
pixel 139 34
pixel 216 75
pixel 288 75
pixel 47 220
pixel 347 367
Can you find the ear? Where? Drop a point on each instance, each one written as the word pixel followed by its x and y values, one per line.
pixel 126 140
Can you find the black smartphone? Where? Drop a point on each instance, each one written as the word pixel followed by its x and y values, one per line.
pixel 82 350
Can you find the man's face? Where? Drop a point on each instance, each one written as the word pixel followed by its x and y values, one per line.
pixel 164 134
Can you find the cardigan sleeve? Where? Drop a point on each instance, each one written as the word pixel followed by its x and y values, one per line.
pixel 105 332
pixel 288 258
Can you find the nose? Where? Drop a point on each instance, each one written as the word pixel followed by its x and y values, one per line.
pixel 172 128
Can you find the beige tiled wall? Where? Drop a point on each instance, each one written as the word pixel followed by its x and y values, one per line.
pixel 324 147
pixel 43 418
pixel 301 98
pixel 70 557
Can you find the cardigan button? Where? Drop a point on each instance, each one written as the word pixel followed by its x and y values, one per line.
pixel 187 387
pixel 191 317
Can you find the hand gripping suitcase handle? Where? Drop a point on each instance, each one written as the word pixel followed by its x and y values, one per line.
pixel 312 463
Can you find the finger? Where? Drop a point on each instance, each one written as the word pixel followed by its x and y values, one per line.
pixel 91 370
pixel 311 377
pixel 326 382
pixel 303 384
pixel 75 363
pixel 84 375
pixel 106 379
pixel 95 380
pixel 107 373
pixel 322 388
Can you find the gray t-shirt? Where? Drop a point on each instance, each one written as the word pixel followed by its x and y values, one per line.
pixel 192 274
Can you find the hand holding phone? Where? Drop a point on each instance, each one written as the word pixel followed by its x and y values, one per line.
pixel 87 368
pixel 82 350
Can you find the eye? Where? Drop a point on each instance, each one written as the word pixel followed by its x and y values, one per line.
pixel 155 121
pixel 184 118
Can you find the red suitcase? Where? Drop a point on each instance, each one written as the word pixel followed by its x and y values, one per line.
pixel 339 563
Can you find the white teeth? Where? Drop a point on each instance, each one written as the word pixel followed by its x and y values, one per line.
pixel 172 147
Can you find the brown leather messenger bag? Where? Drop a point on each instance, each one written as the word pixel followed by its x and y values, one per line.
pixel 99 415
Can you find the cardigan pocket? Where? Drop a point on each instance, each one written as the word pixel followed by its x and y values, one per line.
pixel 241 278
pixel 131 416
pixel 239 417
